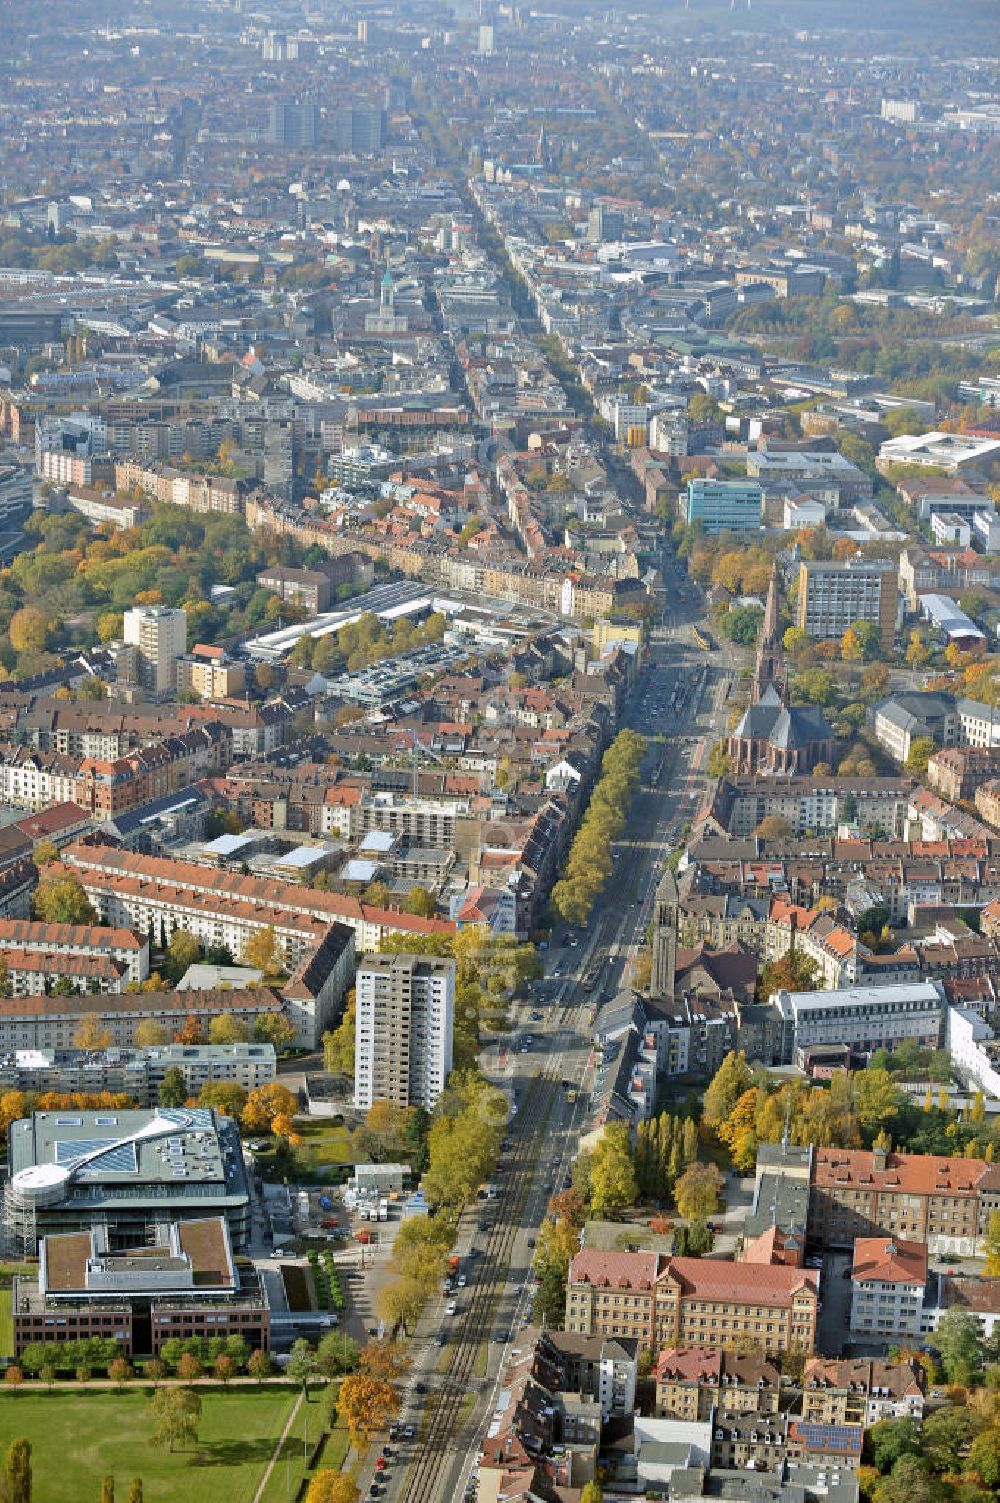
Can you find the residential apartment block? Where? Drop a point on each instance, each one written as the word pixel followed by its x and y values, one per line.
pixel 888 1278
pixel 944 1203
pixel 404 1030
pixel 860 1391
pixel 159 635
pixel 696 1382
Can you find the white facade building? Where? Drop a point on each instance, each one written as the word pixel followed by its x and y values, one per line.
pixel 865 1018
pixel 888 1280
pixel 404 1030
pixel 159 635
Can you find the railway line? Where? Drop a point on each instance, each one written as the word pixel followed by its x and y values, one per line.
pixel 444 1412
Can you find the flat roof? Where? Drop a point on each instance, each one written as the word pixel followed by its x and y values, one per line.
pixel 927 992
pixel 181 1154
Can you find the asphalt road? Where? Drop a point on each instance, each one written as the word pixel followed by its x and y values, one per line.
pixel 680 698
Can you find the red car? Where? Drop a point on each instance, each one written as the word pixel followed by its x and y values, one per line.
pixel 381 1464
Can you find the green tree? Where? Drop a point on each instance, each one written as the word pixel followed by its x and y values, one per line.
pixel 226 1096
pixel 878 1097
pixel 263 951
pixel 946 1436
pixel 336 1354
pixel 173 1091
pixel 890 1439
pixel 16 1475
pixel 720 763
pixel 921 750
pixel 260 1366
pixel 814 686
pixel 227 1028
pixel 909 1482
pixel 420 902
pixel 727 1085
pixel 612 1173
pixel 742 623
pixel 175 1413
pixel 959 1340
pixel 301 1365
pixel 984 1457
pixel 992 1246
pixel 60 899
pixel 182 951
pixel 697 1191
pixel 274 1028
pixel 338 1043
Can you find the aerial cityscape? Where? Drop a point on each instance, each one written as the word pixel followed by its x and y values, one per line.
pixel 499 752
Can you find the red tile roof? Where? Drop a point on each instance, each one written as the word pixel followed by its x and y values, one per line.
pixel 889 1260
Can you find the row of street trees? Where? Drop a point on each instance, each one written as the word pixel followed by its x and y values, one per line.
pixel 463 1145
pixel 588 865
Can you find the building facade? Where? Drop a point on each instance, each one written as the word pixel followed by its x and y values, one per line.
pixel 834 596
pixel 724 505
pixel 404 1030
pixel 159 635
pixel 692 1302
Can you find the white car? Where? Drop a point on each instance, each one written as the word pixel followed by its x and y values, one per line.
pixel 452 1307
pixel 462 1281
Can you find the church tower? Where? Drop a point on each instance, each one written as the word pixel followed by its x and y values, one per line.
pixel 664 973
pixel 769 668
pixel 387 296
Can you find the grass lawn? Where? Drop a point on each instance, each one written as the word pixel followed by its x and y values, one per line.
pixel 325 1145
pixel 89 1435
pixel 300 1443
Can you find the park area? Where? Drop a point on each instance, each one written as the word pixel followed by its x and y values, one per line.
pixel 79 1437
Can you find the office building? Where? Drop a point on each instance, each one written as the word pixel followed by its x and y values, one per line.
pixel 863 1018
pixel 833 597
pixel 944 451
pixel 183 1283
pixel 159 635
pixel 723 505
pixel 692 1302
pixel 361 128
pixel 293 124
pixel 128 1171
pixel 405 1021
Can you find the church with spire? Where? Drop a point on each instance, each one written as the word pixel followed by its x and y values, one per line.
pixel 774 737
